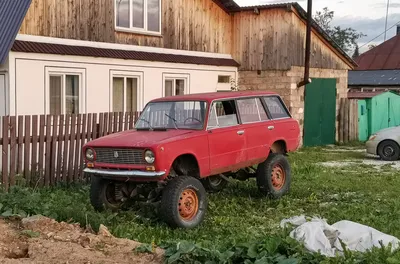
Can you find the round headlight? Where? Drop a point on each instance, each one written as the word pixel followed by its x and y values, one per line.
pixel 149 156
pixel 90 154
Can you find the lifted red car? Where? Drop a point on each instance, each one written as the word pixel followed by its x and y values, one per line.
pixel 184 145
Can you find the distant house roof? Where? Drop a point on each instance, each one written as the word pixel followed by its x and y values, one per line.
pixel 363 95
pixel 374 78
pixel 117 53
pixel 12 13
pixel 383 57
pixel 231 6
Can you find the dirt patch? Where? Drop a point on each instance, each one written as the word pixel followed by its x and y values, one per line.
pixel 43 240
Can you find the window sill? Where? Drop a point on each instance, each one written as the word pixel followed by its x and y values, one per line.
pixel 140 32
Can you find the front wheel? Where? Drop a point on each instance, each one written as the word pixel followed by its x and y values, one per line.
pixel 103 195
pixel 389 151
pixel 273 176
pixel 183 202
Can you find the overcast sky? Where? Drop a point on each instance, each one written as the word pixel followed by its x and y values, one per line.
pixel 367 16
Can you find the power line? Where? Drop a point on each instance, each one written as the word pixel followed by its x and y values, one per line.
pixel 380 34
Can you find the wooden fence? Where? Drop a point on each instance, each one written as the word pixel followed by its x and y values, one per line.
pixel 348 120
pixel 46 150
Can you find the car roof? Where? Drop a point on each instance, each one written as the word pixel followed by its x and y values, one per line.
pixel 214 96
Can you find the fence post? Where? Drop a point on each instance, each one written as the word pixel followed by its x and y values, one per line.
pixel 4 171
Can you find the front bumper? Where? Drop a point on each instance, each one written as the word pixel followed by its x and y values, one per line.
pixel 372 147
pixel 125 174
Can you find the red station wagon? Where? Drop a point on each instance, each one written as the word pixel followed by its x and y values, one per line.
pixel 183 146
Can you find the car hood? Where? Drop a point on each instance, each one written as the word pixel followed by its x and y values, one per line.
pixel 133 138
pixel 390 130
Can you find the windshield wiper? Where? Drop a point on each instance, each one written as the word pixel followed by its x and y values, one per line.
pixel 173 119
pixel 146 121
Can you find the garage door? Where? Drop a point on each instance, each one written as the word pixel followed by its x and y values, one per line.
pixel 320 113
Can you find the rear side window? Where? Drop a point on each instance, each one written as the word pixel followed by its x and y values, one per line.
pixel 223 114
pixel 276 107
pixel 251 110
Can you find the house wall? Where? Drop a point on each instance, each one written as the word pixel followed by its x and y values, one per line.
pixel 285 84
pixel 4 89
pixel 275 40
pixel 30 79
pixel 197 25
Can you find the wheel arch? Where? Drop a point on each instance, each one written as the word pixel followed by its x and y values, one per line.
pixel 386 140
pixel 186 165
pixel 279 147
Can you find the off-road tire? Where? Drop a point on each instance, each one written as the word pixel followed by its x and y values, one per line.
pixel 174 193
pixel 214 184
pixel 392 147
pixel 264 176
pixel 98 195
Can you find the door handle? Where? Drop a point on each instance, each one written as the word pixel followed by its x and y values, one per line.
pixel 241 132
pixel 271 127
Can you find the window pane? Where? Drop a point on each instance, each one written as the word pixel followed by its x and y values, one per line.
pixel 263 114
pixel 169 87
pixel 180 87
pixel 72 94
pixel 226 113
pixel 276 107
pixel 118 94
pixel 248 110
pixel 123 15
pixel 131 94
pixel 138 14
pixel 153 15
pixel 55 95
pixel 224 79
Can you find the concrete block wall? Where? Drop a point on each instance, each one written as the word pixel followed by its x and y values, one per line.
pixel 285 84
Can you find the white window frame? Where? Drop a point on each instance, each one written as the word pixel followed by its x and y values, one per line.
pixel 125 75
pixel 64 72
pixel 133 29
pixel 174 77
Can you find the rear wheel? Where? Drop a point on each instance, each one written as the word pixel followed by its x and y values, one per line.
pixel 274 176
pixel 389 150
pixel 214 184
pixel 183 202
pixel 103 195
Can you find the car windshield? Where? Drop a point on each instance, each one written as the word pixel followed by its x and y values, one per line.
pixel 173 115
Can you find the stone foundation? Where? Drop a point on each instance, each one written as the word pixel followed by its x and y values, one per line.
pixel 285 84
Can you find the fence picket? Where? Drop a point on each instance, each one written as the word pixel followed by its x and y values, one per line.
pixel 71 150
pixel 4 171
pixel 13 149
pixel 20 144
pixel 54 150
pixel 65 154
pixel 101 125
pixel 41 150
pixel 59 149
pixel 27 147
pixel 47 162
pixel 34 163
pixel 115 123
pixel 77 147
pixel 83 141
pixel 120 121
pixel 93 130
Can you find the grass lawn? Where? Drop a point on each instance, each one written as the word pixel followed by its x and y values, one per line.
pixel 240 216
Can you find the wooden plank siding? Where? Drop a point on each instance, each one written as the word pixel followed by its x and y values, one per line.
pixel 275 40
pixel 197 25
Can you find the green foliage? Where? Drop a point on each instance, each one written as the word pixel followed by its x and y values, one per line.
pixel 242 226
pixel 346 38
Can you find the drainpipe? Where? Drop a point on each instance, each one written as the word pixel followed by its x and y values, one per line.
pixel 307 79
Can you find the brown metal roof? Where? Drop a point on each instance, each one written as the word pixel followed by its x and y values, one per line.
pixel 383 57
pixel 58 49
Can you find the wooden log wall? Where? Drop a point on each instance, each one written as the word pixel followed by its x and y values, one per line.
pixel 348 121
pixel 197 25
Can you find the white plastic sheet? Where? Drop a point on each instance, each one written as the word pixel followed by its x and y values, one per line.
pixel 318 236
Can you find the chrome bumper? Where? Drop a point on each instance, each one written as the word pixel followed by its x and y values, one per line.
pixel 126 174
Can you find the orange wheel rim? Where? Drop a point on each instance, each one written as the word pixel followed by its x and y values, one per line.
pixel 278 177
pixel 188 204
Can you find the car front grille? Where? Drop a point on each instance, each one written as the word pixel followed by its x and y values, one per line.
pixel 119 156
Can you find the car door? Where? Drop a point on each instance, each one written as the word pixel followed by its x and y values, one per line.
pixel 226 139
pixel 258 128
